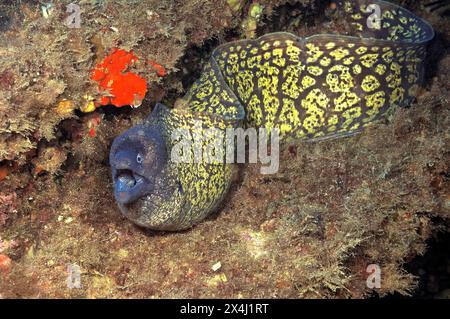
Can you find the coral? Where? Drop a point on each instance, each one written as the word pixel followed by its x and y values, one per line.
pixel 65 107
pixel 159 69
pixel 8 205
pixel 250 23
pixel 49 159
pixel 4 171
pixel 5 265
pixel 45 63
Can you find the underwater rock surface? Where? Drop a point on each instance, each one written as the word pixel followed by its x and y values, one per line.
pixel 308 231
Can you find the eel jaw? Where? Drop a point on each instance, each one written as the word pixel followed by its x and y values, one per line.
pixel 129 186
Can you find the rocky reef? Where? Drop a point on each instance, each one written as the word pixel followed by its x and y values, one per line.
pixel 310 230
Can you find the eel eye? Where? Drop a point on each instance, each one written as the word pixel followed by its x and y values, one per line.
pixel 139 158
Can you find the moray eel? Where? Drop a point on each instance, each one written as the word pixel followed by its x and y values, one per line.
pixel 323 86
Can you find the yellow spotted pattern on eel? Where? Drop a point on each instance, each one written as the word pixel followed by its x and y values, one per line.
pixel 322 86
pixel 318 87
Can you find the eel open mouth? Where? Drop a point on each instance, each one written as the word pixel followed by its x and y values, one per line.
pixel 127 179
pixel 128 185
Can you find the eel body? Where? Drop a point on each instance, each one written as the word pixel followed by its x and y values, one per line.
pixel 323 86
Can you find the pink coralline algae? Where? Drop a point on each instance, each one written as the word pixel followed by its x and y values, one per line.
pixel 7 206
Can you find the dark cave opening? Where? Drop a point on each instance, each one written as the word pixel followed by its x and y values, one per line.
pixel 433 269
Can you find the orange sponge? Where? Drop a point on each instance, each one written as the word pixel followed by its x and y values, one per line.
pixel 117 86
